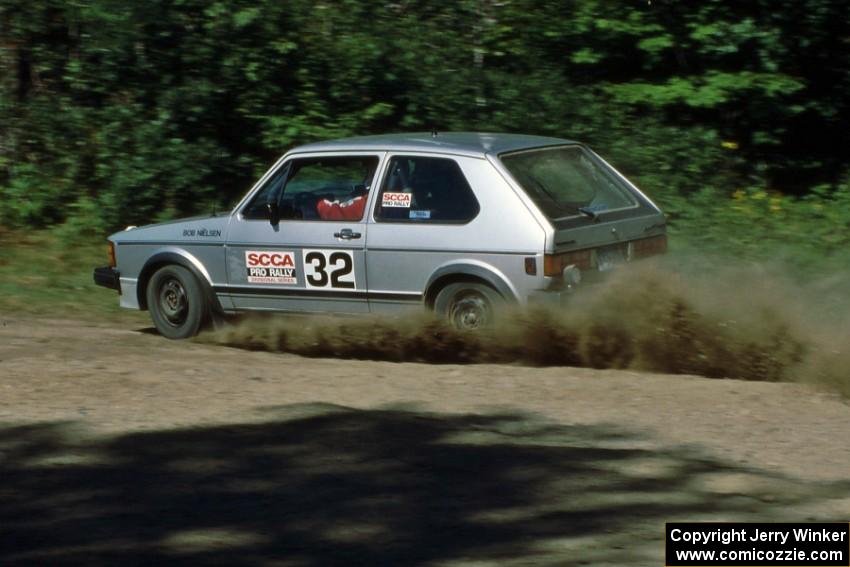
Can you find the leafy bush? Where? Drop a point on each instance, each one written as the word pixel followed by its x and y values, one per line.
pixel 164 106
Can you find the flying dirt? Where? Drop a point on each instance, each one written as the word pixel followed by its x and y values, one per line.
pixel 741 322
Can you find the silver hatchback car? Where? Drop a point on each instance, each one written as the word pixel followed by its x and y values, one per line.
pixel 459 223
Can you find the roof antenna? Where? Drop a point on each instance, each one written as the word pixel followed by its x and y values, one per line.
pixel 433 132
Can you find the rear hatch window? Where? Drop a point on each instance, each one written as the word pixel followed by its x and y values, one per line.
pixel 568 181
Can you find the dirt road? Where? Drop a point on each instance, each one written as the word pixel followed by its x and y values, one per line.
pixel 118 446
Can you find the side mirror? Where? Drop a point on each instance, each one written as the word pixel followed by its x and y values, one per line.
pixel 274 213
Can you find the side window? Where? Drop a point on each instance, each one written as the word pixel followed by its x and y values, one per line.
pixel 425 189
pixel 328 188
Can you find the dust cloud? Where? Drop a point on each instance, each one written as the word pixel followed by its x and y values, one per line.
pixel 714 318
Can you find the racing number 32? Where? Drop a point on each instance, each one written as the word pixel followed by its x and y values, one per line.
pixel 329 268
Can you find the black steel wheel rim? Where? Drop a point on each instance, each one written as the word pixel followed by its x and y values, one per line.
pixel 173 303
pixel 470 312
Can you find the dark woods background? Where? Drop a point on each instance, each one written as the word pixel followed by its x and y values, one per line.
pixel 734 115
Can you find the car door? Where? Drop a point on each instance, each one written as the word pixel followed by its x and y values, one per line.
pixel 312 259
pixel 422 214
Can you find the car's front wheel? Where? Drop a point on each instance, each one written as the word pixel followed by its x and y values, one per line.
pixel 468 306
pixel 176 303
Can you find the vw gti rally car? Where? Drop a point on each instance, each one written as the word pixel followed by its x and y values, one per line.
pixel 460 223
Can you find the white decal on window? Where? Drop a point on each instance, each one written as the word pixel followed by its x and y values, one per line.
pixel 396 200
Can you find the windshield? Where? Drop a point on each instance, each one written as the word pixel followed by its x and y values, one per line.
pixel 567 181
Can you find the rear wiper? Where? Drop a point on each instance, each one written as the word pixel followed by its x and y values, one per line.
pixel 590 213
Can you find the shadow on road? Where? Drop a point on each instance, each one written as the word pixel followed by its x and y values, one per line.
pixel 148 331
pixel 322 485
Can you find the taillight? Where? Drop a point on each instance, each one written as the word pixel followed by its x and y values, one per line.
pixel 649 246
pixel 554 264
pixel 111 253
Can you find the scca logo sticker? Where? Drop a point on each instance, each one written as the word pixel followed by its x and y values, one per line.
pixel 265 259
pixel 396 200
pixel 270 267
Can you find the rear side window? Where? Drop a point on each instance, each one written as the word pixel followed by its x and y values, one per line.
pixel 425 189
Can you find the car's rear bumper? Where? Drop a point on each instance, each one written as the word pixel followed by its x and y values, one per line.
pixel 559 293
pixel 107 277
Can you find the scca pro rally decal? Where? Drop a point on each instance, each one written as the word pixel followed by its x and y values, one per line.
pixel 270 267
pixel 396 200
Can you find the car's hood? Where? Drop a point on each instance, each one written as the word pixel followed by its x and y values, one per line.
pixel 208 228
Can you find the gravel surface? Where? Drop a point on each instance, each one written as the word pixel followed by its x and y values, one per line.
pixel 394 463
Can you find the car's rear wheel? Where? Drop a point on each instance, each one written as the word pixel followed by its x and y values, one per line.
pixel 468 306
pixel 176 303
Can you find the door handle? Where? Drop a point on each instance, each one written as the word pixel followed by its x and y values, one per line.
pixel 347 234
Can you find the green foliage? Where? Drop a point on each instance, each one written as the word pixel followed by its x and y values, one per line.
pixel 120 113
pixel 706 91
pixel 811 233
pixel 28 197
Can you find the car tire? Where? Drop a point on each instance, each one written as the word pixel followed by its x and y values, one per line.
pixel 468 306
pixel 176 303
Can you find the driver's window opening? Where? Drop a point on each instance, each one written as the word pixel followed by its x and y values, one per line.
pixel 328 188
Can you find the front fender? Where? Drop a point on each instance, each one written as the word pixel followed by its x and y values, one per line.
pixel 182 258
